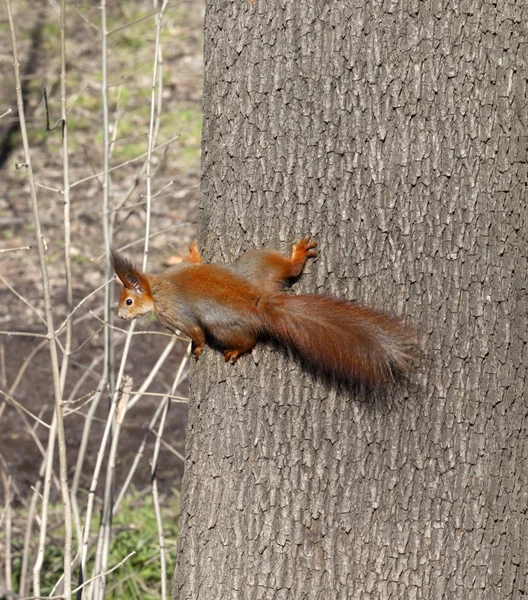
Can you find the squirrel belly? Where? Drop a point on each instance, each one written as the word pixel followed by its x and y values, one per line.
pixel 351 341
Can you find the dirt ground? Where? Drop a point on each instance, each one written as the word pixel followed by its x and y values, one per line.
pixel 176 169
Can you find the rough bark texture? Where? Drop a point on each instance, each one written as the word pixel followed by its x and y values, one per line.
pixel 395 133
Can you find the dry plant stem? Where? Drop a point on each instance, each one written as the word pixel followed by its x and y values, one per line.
pixel 24 581
pixel 22 408
pixel 103 543
pixel 49 317
pixel 130 23
pixel 137 458
pixel 24 366
pixel 7 517
pixel 107 221
pixel 153 372
pixel 173 450
pixel 82 452
pixel 180 399
pixel 7 112
pixel 82 449
pixel 154 419
pixel 115 127
pixel 31 431
pixel 114 568
pixel 66 193
pixel 123 164
pixel 131 575
pixel 23 299
pixel 100 455
pixel 37 566
pixel 24 334
pixel 155 494
pixel 79 588
pixel 83 301
pixel 153 119
pixel 2 250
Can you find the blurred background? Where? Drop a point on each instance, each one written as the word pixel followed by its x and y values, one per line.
pixel 25 368
pixel 24 361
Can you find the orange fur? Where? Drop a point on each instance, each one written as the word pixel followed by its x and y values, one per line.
pixel 233 307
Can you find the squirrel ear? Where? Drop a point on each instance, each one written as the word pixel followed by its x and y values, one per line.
pixel 130 277
pixel 134 281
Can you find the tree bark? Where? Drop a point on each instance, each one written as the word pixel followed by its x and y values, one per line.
pixel 395 134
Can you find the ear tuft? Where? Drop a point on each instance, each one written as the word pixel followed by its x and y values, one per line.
pixel 121 265
pixel 131 278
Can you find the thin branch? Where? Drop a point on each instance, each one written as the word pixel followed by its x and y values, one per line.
pixel 59 121
pixel 123 164
pixel 86 20
pixel 23 408
pixel 2 250
pixel 182 399
pixel 171 449
pixel 24 300
pixel 7 516
pixel 47 187
pixel 105 573
pixel 130 23
pixel 49 315
pixel 83 301
pixel 124 331
pixel 25 334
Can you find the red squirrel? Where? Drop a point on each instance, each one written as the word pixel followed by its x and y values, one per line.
pixel 233 307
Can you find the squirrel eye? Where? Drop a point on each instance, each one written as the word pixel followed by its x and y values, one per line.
pixel 129 302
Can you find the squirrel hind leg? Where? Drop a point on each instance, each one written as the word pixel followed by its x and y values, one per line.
pixel 197 341
pixel 301 252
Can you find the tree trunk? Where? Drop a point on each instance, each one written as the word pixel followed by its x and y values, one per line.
pixel 395 134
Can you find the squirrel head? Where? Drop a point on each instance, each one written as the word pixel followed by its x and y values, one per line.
pixel 135 299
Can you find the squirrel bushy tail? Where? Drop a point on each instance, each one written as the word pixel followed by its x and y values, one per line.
pixel 352 341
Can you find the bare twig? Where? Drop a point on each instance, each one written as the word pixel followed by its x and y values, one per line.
pixel 83 301
pixel 23 299
pixel 103 543
pixel 2 250
pixel 123 164
pixel 67 202
pixel 24 334
pixel 23 408
pixel 130 23
pixel 6 481
pixel 153 372
pixel 122 562
pixel 154 124
pixel 58 122
pixel 49 314
pixel 155 494
pixel 80 587
pixel 182 399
